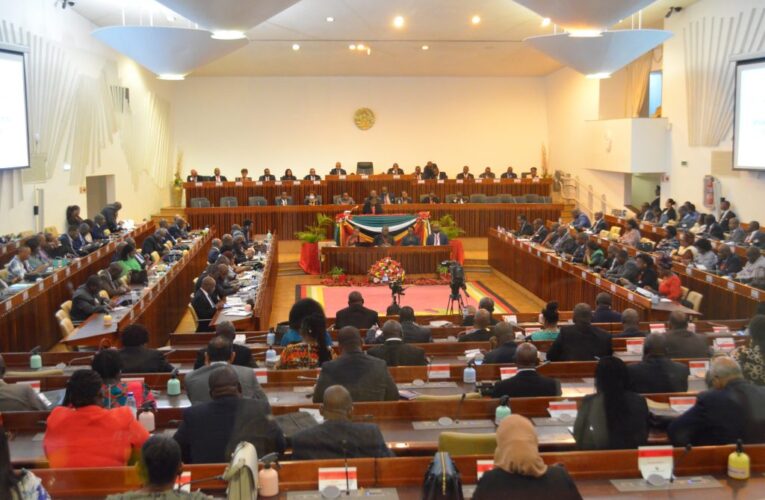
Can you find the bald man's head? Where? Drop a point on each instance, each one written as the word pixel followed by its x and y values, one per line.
pixel 392 329
pixel 482 319
pixel 504 332
pixel 678 320
pixel 208 284
pixel 355 298
pixel 349 339
pixel 582 314
pixel 723 370
pixel 655 346
pixel 526 355
pixel 337 403
pixel 630 317
pixel 224 382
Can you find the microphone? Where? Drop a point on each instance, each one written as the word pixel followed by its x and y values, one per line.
pixel 447 421
pixel 345 464
pixel 69 363
pixel 303 377
pixel 168 353
pixel 688 448
pixel 36 350
pixel 201 480
pixel 256 337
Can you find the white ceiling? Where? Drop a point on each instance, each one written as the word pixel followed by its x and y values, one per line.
pixel 456 47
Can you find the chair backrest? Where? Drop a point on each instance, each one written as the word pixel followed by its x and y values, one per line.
pixel 545 199
pixel 194 315
pixel 104 294
pixel 450 198
pixel 423 197
pixel 508 198
pixel 4 275
pixel 257 201
pixel 477 198
pixel 52 230
pixel 61 315
pixel 155 257
pixel 464 443
pixel 66 327
pixel 533 198
pixel 695 298
pixel 365 168
pixel 493 199
pixel 200 203
pixel 67 306
pixel 604 233
pixel 684 292
pixel 229 201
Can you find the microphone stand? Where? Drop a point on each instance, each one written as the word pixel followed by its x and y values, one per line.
pixel 459 408
pixel 345 462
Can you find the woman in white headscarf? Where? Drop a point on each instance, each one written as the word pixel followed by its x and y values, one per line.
pixel 519 471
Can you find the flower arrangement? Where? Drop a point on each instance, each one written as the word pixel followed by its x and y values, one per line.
pixel 386 270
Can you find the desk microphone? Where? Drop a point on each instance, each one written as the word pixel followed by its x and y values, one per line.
pixel 168 353
pixel 256 337
pixel 303 377
pixel 447 421
pixel 69 363
pixel 345 464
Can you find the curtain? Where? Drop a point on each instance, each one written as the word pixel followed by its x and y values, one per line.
pixel 638 72
pixel 370 226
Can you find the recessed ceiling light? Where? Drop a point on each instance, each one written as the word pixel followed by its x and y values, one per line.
pixel 360 46
pixel 599 76
pixel 425 47
pixel 398 21
pixel 330 19
pixel 296 46
pixel 352 46
pixel 476 19
pixel 171 76
pixel 228 35
pixel 546 21
pixel 369 51
pixel 584 33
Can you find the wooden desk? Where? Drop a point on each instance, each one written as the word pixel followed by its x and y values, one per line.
pixel 358 260
pixel 160 308
pixel 475 218
pixel 27 319
pixel 358 188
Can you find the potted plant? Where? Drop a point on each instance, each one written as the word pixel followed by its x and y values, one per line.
pixel 452 231
pixel 442 272
pixel 311 236
pixel 338 274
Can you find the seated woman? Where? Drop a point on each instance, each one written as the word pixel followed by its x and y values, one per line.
pixel 647 278
pixel 594 256
pixel 669 243
pixel 751 358
pixel 632 235
pixel 301 310
pixel 81 433
pixel 550 318
pixel 108 364
pixel 288 175
pixel 127 259
pixel 315 344
pixel 136 357
pixel 614 417
pixel 705 257
pixel 519 471
pixel 687 250
pixel 17 484
pixel 73 215
pixel 670 285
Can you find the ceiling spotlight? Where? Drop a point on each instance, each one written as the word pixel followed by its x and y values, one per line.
pixel 352 46
pixel 228 35
pixel 369 51
pixel 546 22
pixel 296 46
pixel 671 11
pixel 171 76
pixel 425 47
pixel 398 21
pixel 360 47
pixel 330 19
pixel 476 19
pixel 171 18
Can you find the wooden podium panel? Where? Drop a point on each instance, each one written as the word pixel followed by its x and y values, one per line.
pixel 358 260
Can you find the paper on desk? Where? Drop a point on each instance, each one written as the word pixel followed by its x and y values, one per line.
pixel 314 413
pixel 234 301
pixel 237 312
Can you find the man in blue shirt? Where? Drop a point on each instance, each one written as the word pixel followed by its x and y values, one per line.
pixel 581 221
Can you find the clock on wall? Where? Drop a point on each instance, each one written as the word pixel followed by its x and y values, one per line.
pixel 364 118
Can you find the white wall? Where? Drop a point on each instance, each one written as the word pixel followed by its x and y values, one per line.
pixel 685 182
pixel 301 123
pixel 72 32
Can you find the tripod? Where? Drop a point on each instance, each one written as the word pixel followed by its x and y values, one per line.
pixel 455 296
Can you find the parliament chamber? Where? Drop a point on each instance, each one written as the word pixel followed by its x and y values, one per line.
pixel 409 249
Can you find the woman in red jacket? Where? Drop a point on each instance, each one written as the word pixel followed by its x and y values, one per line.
pixel 669 286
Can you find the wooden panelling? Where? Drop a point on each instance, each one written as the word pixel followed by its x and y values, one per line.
pixel 358 260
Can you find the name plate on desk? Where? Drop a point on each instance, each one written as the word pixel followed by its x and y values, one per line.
pixel 682 404
pixel 258 183
pixel 183 482
pixel 658 328
pixel 507 372
pixel 396 176
pixel 655 461
pixel 731 285
pixel 516 181
pixel 482 466
pixel 496 181
pixel 724 344
pixel 698 369
pixel 680 483
pixel 563 410
pixel 239 184
pixel 535 180
pixel 635 346
pixel 218 184
pixel 198 184
pixel 438 371
pixel 420 181
pixel 440 181
pixel 295 183
pixel 339 477
pixel 316 183
pixel 277 183
pixel 364 176
pixel 261 374
pixel 720 329
pixel 341 177
pixel 452 424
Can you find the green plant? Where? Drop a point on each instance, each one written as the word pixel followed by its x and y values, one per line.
pixel 442 270
pixel 449 227
pixel 317 232
pixel 336 271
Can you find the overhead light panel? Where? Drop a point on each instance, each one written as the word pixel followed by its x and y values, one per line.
pixel 475 19
pixel 546 22
pixel 295 47
pixel 399 22
pixel 330 19
pixel 425 47
pixel 171 76
pixel 228 35
pixel 228 15
pixel 585 14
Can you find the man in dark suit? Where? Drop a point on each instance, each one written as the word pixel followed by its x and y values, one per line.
pixel 210 432
pixel 384 239
pixel 339 436
pixel 404 198
pixel 682 343
pixel 731 410
pixel 214 252
pixel 726 214
pixel 540 231
pixel 195 177
pixel 527 383
pixel 394 351
pixel 372 206
pixel 153 243
pixel 509 174
pixel 242 353
pixel 431 199
pixel 411 239
pixel 204 305
pixel 355 314
pixel 267 176
pixel 136 357
pixel 580 341
pixel 111 213
pixel 728 263
pixel 506 348
pixel 524 228
pixel 283 200
pixel 412 332
pixel 481 333
pixel 365 377
pixel 87 301
pixel 487 303
pixel 217 177
pixel 386 198
pixel 487 174
pixel 338 170
pixel 599 224
pixel 631 324
pixel 312 176
pixel 465 174
pixel 395 170
pixel 436 237
pixel 603 312
pixel 657 373
pixel 70 239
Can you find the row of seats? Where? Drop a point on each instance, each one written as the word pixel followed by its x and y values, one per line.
pixel 260 201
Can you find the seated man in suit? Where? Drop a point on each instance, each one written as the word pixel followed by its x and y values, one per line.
pixel 754 268
pixel 540 231
pixel 599 224
pixel 195 177
pixel 18 397
pixel 527 383
pixel 657 373
pixel 730 410
pixel 312 176
pixel 394 351
pixel 487 303
pixel 386 198
pixel 631 324
pixel 87 301
pixel 682 343
pixel 69 239
pixel 267 176
pixel 459 199
pixel 431 199
pixel 505 349
pixel 728 263
pixel 436 237
pixel 338 170
pixel 355 314
pixel 580 341
pixel 481 331
pixel 404 198
pixel 345 199
pixel 244 175
pixel 204 304
pixel 623 267
pixel 311 200
pixel 411 239
pixel 242 353
pixel 98 229
pixel 179 229
pixel 136 357
pixel 509 174
pixel 365 377
pixel 372 206
pixel 603 312
pixel 524 228
pixel 736 233
pixel 465 174
pixel 219 354
pixel 283 200
pixel 210 432
pixel 217 177
pixel 153 243
pixel 418 174
pixel 580 220
pixel 110 280
pixel 339 436
pixel 395 170
pixel 412 332
pixel 111 213
pixel 487 174
pixel 531 174
pixel 384 239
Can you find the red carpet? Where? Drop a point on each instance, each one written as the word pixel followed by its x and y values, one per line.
pixel 423 299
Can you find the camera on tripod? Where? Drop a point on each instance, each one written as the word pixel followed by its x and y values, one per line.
pixel 396 288
pixel 457 281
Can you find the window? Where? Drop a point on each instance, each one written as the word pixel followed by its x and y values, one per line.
pixel 654 92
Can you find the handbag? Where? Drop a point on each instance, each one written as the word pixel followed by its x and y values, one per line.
pixel 442 479
pixel 138 277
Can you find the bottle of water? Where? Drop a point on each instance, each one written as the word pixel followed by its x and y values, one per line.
pixel 269 236
pixel 133 296
pixel 271 358
pixel 469 375
pixel 271 336
pixel 132 404
pixel 502 411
